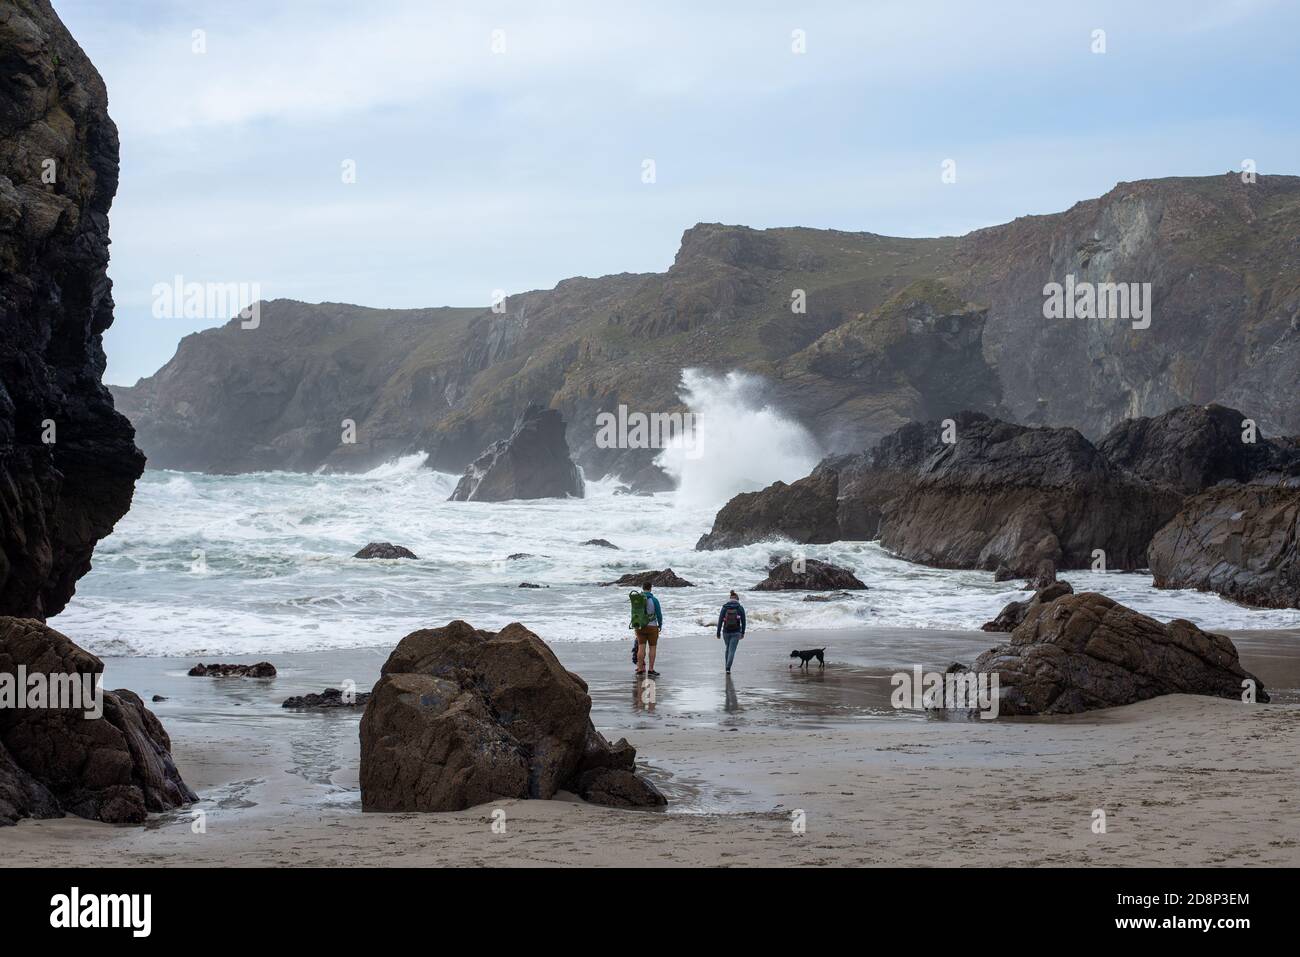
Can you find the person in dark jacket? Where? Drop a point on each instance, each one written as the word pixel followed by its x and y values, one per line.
pixel 731 626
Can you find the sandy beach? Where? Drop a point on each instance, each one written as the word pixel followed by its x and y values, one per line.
pixel 1182 780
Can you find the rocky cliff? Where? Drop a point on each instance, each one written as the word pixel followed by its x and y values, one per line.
pixel 68 461
pixel 856 334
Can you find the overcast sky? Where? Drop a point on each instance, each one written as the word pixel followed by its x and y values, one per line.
pixel 481 168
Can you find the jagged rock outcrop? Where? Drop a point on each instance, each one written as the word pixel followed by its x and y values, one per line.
pixel 1027 500
pixel 657 579
pixel 1085 651
pixel 1195 446
pixel 68 462
pixel 1242 541
pixel 533 463
pixel 1013 613
pixel 1004 494
pixel 385 550
pixel 115 767
pixel 809 574
pixel 460 717
pixel 893 330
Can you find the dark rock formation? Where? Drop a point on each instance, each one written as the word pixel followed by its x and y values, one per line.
pixel 664 579
pixel 601 543
pixel 845 498
pixel 1044 575
pixel 533 463
pixel 329 698
pixel 263 669
pixel 803 511
pixel 1085 651
pixel 1014 612
pixel 646 481
pixel 532 585
pixel 1024 500
pixel 1240 541
pixel 1195 446
pixel 385 550
pixel 517 556
pixel 461 717
pixel 813 576
pixel 115 768
pixel 1005 494
pixel 68 461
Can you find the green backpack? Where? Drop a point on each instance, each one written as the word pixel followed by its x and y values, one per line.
pixel 640 613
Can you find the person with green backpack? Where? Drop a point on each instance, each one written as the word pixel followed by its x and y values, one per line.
pixel 647 619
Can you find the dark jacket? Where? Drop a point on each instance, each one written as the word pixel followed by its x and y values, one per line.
pixel 740 611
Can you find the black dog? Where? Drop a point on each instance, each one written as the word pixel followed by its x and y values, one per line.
pixel 808 656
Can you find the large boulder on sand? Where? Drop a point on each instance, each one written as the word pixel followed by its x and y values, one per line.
pixel 533 463
pixel 809 574
pixel 116 767
pixel 1242 541
pixel 461 717
pixel 1086 651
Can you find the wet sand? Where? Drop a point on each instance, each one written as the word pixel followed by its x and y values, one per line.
pixel 1182 779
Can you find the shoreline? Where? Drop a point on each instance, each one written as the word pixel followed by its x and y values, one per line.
pixel 1178 776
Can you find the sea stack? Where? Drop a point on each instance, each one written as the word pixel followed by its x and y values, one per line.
pixel 533 462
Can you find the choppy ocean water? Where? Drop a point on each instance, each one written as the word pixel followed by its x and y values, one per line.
pixel 207 565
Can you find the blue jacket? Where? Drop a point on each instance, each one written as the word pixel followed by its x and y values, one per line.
pixel 740 610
